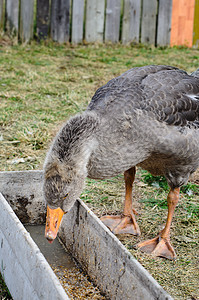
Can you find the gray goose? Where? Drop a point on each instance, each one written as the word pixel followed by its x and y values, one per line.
pixel 147 117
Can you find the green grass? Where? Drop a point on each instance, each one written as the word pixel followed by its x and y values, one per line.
pixel 191 191
pixel 41 86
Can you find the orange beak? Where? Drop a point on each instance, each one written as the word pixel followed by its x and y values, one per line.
pixel 53 221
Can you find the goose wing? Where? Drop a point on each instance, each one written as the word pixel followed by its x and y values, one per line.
pixel 165 93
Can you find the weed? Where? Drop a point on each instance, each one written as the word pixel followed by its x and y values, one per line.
pixel 161 182
pixel 190 189
pixel 156 181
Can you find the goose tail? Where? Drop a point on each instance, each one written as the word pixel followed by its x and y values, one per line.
pixel 195 73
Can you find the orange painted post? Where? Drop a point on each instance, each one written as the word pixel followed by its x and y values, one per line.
pixel 196 25
pixel 182 22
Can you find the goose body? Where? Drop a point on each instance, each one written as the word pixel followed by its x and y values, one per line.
pixel 151 121
pixel 148 117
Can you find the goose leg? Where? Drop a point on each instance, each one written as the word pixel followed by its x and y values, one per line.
pixel 160 245
pixel 125 223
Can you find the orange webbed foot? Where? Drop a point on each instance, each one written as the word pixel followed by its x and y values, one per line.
pixel 158 246
pixel 121 224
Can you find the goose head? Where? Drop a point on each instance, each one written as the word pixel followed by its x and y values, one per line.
pixel 65 168
pixel 61 189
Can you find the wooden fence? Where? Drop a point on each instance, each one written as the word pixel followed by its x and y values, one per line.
pixel 77 21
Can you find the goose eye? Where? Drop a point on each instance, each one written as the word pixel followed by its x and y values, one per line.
pixel 65 196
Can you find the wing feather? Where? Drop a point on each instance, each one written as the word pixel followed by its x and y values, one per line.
pixel 166 93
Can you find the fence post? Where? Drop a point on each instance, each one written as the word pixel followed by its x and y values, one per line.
pixel 196 25
pixel 94 20
pixel 42 19
pixel 77 21
pixel 148 29
pixel 112 28
pixel 12 17
pixel 26 20
pixel 60 20
pixel 131 21
pixel 1 15
pixel 164 22
pixel 182 22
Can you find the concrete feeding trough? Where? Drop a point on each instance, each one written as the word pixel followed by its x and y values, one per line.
pixel 101 255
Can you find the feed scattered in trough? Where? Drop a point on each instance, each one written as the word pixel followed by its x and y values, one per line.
pixel 75 283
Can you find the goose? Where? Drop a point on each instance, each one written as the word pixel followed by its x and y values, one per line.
pixel 147 117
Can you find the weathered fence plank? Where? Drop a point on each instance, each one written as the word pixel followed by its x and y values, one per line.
pixel 161 22
pixel 42 19
pixel 112 27
pixel 131 21
pixel 60 22
pixel 12 17
pixel 94 20
pixel 148 27
pixel 26 20
pixel 164 22
pixel 1 14
pixel 77 21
